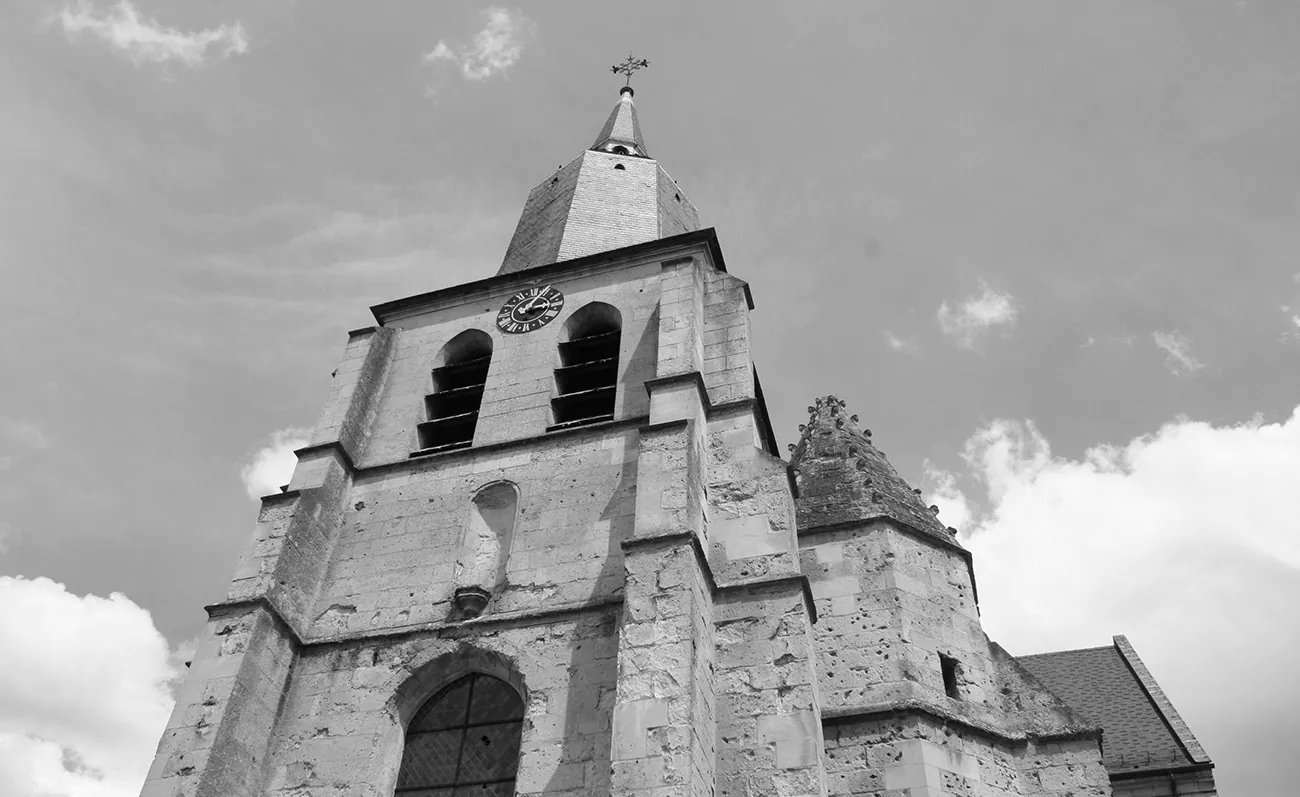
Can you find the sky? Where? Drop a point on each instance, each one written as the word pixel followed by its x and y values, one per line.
pixel 1047 250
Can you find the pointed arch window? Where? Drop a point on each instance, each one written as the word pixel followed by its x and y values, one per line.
pixel 464 741
pixel 586 382
pixel 459 374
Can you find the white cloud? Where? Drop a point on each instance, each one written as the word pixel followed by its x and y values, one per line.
pixel 85 693
pixel 940 487
pixel 1185 540
pixel 144 40
pixel 976 313
pixel 1179 358
pixel 495 49
pixel 899 344
pixel 271 467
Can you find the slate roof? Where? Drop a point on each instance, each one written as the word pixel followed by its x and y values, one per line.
pixel 1111 687
pixel 622 126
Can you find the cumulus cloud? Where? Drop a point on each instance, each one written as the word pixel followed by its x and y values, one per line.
pixel 495 48
pixel 1179 358
pixel 271 466
pixel 85 693
pixel 1183 539
pixel 145 40
pixel 975 314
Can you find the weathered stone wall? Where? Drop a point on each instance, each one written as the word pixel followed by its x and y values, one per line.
pixel 889 604
pixel 394 563
pixel 913 755
pixel 341 729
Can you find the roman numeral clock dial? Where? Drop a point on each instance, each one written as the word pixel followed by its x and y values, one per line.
pixel 531 308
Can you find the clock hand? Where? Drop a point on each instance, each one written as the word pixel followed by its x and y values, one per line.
pixel 533 301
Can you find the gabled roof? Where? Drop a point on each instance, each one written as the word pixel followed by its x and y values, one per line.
pixel 1112 687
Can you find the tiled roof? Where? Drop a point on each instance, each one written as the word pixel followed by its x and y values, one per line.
pixel 1101 683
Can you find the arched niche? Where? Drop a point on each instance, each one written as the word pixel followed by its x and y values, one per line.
pixel 486 539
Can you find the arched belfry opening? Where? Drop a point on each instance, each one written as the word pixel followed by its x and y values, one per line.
pixel 451 408
pixel 486 540
pixel 464 741
pixel 586 381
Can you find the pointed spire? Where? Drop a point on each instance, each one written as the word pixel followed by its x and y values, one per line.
pixel 611 196
pixel 842 477
pixel 622 129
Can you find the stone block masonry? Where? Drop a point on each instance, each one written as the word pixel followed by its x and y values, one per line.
pixel 675 621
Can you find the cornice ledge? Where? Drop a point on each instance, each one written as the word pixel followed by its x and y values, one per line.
pixel 225 608
pixel 397 308
pixel 896 708
pixel 675 538
pixel 329 445
pixel 903 526
pixel 799 579
pixel 416 459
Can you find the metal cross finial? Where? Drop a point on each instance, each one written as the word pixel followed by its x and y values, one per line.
pixel 629 66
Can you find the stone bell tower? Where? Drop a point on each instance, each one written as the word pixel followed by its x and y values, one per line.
pixel 542 543
pixel 560 481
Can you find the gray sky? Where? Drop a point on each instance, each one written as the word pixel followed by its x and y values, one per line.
pixel 1048 251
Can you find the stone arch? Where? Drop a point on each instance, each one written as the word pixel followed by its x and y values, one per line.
pixel 486 539
pixel 427 679
pixel 440 705
pixel 591 319
pixel 468 345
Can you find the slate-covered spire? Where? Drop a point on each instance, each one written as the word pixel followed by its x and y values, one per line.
pixel 622 129
pixel 843 478
pixel 611 196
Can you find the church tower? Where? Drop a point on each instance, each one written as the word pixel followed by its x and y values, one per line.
pixel 542 543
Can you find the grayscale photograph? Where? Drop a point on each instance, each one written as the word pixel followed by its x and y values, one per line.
pixel 872 398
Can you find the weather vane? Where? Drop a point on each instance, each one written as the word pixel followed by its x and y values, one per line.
pixel 629 66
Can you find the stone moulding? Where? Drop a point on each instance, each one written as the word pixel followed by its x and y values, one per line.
pixel 869 713
pixel 442 629
pixel 715 589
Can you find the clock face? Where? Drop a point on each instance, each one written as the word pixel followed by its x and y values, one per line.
pixel 530 309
